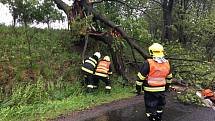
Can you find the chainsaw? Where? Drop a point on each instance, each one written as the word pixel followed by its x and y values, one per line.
pixel 208 102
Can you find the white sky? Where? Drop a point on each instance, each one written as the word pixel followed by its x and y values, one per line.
pixel 6 18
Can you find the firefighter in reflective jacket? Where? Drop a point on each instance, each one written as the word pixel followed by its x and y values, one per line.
pixel 103 72
pixel 88 68
pixel 154 78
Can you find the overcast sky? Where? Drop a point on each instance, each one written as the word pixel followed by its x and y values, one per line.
pixel 6 18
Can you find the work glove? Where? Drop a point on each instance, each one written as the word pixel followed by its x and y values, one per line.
pixel 172 88
pixel 167 86
pixel 138 90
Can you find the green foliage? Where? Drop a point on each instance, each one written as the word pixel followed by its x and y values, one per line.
pixel 110 10
pixel 54 88
pixel 51 83
pixel 202 31
pixel 51 109
pixel 80 26
pixel 138 28
pixel 194 73
pixel 23 10
pixel 189 98
pixel 29 11
pixel 47 13
pixel 48 55
pixel 23 94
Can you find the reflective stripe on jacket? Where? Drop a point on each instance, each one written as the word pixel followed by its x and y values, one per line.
pixel 89 65
pixel 103 68
pixel 154 89
pixel 87 70
pixel 158 73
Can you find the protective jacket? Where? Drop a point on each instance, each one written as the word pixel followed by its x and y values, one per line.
pixel 103 69
pixel 90 64
pixel 158 73
pixel 153 76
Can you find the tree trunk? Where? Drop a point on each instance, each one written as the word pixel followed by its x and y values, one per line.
pixel 14 21
pixel 48 24
pixel 167 6
pixel 85 46
pixel 131 42
pixel 210 50
pixel 116 56
pixel 181 16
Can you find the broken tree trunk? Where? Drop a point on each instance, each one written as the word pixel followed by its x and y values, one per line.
pixel 111 24
pixel 117 59
pixel 107 22
pixel 116 56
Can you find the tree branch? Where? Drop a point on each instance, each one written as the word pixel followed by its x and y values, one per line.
pixel 194 60
pixel 62 5
pixel 117 28
pixel 159 3
pixel 124 3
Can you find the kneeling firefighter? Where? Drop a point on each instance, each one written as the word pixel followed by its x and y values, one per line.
pixel 103 72
pixel 154 78
pixel 88 68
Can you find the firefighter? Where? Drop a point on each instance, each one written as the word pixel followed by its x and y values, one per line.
pixel 154 78
pixel 103 72
pixel 88 69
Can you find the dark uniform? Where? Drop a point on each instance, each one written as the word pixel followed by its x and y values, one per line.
pixel 103 72
pixel 88 69
pixel 154 78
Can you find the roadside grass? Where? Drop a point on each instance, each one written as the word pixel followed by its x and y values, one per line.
pixel 53 108
pixel 39 69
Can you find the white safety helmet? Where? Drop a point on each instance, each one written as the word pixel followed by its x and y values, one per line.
pixel 107 58
pixel 97 54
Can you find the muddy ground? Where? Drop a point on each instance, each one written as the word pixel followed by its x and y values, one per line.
pixel 132 109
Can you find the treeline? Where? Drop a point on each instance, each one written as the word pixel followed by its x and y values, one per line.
pixel 33 11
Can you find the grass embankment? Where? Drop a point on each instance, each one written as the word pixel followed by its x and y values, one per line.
pixel 53 108
pixel 40 75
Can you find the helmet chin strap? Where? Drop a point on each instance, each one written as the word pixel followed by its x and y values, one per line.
pixel 159 59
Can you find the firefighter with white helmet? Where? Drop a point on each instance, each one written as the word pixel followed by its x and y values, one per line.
pixel 103 72
pixel 88 68
pixel 154 79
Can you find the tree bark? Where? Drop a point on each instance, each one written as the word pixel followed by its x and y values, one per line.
pixel 167 6
pixel 131 42
pixel 63 6
pixel 85 46
pixel 116 56
pixel 111 24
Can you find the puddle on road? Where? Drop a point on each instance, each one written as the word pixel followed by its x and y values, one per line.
pixel 136 113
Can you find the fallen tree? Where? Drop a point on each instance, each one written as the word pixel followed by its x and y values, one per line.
pixel 118 59
pixel 107 38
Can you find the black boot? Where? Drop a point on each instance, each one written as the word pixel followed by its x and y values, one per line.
pixel 159 116
pixel 89 89
pixel 153 117
pixel 107 91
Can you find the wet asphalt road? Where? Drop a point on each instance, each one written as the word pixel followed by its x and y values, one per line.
pixel 173 112
pixel 133 110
